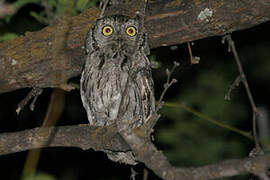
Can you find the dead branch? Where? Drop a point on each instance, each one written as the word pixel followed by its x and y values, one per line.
pixel 51 56
pixel 102 138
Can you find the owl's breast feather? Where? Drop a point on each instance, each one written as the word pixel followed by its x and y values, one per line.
pixel 104 82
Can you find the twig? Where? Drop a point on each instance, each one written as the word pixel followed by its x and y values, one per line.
pixel 209 119
pixel 193 60
pixel 133 174
pixel 35 92
pixel 154 118
pixel 168 83
pixel 103 4
pixel 235 84
pixel 145 174
pixel 243 78
pixel 48 10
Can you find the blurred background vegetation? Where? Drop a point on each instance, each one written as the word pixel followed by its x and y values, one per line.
pixel 197 125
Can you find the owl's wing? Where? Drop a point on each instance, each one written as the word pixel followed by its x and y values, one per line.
pixel 85 91
pixel 146 84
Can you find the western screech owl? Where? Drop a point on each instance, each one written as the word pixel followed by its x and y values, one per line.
pixel 117 49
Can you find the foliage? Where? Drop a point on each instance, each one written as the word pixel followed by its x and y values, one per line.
pixel 7 36
pixel 186 134
pixel 52 10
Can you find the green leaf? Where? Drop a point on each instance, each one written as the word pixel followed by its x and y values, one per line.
pixel 80 5
pixel 39 17
pixel 8 36
pixel 21 3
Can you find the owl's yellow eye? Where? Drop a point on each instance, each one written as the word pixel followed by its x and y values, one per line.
pixel 131 31
pixel 107 30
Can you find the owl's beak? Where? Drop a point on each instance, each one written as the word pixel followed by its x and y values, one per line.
pixel 119 40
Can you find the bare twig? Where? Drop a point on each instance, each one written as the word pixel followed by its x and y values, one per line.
pixel 35 92
pixel 103 4
pixel 235 84
pixel 168 83
pixel 193 59
pixel 48 10
pixel 133 174
pixel 209 119
pixel 149 125
pixel 155 116
pixel 243 79
pixel 145 174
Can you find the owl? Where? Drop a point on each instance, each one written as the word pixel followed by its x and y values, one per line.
pixel 117 71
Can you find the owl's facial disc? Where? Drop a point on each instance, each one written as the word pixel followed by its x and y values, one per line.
pixel 117 33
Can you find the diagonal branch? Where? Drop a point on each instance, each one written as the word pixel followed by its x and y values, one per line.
pixel 51 56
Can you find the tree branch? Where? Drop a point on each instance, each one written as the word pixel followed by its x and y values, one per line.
pixel 106 138
pixel 81 136
pixel 51 56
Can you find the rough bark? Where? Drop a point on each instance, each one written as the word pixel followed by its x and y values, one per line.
pixel 51 56
pixel 102 138
pixel 81 136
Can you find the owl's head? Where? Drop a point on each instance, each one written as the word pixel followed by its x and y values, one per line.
pixel 116 32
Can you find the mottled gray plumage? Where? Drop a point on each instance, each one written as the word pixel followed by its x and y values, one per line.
pixel 110 60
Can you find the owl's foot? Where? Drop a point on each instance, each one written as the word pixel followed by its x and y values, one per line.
pixel 122 157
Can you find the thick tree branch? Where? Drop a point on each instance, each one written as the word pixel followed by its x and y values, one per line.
pixel 102 138
pixel 81 136
pixel 51 56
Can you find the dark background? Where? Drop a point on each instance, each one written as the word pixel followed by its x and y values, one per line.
pixel 186 139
